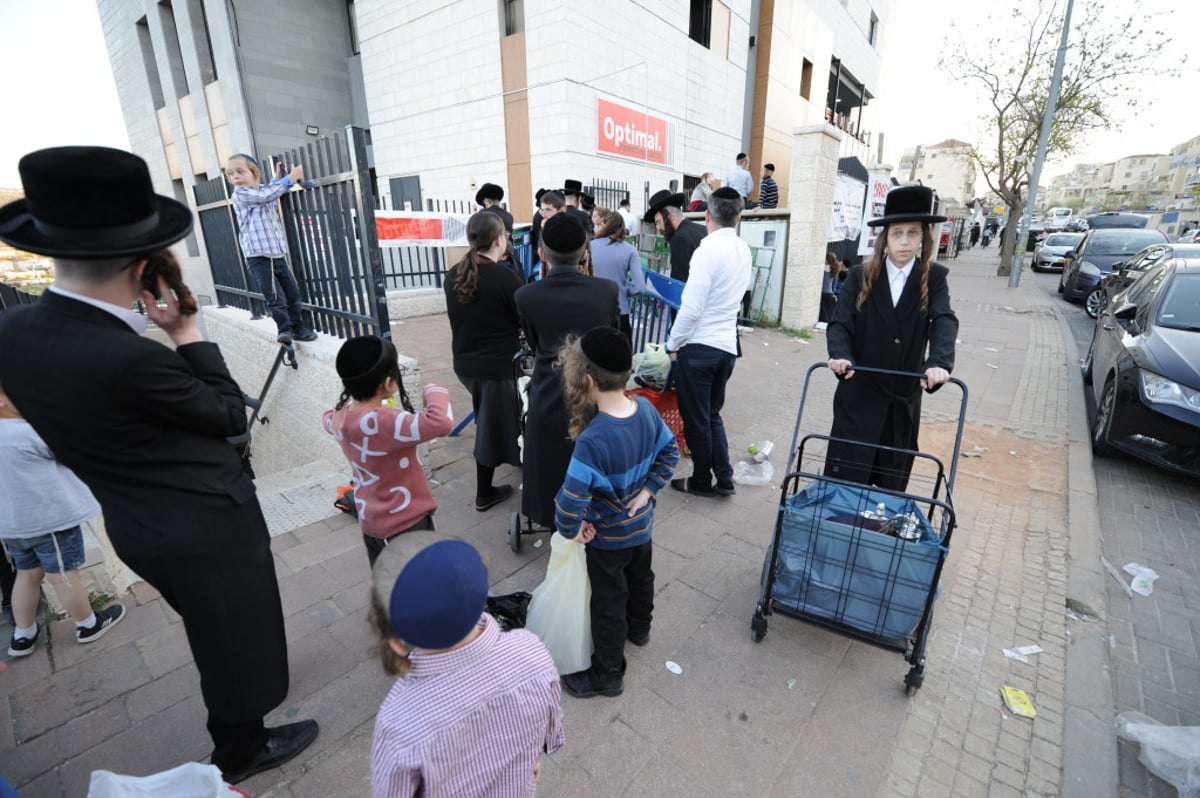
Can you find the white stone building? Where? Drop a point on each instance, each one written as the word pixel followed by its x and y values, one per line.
pixel 946 167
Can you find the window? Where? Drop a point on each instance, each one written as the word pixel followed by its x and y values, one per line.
pixel 147 46
pixel 193 250
pixel 873 30
pixel 700 21
pixel 806 79
pixel 514 16
pixel 166 15
pixel 352 21
pixel 203 41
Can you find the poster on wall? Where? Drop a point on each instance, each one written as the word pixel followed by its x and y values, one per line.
pixel 878 187
pixel 630 133
pixel 845 221
pixel 421 229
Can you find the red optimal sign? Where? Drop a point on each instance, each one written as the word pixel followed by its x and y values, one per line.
pixel 631 134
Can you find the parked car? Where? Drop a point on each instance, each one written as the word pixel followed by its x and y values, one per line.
pixel 1076 226
pixel 1123 274
pixel 1117 219
pixel 1190 237
pixel 1143 368
pixel 1096 255
pixel 1049 254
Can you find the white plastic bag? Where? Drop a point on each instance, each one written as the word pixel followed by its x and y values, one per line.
pixel 190 780
pixel 560 610
pixel 651 368
pixel 752 472
pixel 1170 752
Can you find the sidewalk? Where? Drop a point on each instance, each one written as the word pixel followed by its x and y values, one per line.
pixel 805 711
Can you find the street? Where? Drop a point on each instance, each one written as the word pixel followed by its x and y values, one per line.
pixel 1151 517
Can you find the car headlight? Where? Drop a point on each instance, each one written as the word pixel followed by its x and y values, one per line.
pixel 1157 388
pixel 1087 267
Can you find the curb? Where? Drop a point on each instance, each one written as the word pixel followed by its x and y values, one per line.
pixel 1089 721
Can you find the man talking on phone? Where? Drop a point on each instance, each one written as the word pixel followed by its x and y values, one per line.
pixel 144 426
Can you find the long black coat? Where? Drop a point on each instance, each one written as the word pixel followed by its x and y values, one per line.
pixel 877 409
pixel 144 427
pixel 562 303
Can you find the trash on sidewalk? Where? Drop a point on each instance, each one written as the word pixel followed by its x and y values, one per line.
pixel 992 366
pixel 1116 575
pixel 1022 653
pixel 791 684
pixel 990 349
pixel 976 451
pixel 675 667
pixel 1143 578
pixel 191 779
pixel 537 544
pixel 1170 752
pixel 758 469
pixel 1017 702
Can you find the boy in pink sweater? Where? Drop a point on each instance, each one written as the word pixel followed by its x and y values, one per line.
pixel 380 442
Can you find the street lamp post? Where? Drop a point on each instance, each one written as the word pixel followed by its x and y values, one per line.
pixel 1014 275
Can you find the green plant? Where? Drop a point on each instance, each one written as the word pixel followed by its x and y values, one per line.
pixel 99 599
pixel 797 332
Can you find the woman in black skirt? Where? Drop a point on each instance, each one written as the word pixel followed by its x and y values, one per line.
pixel 484 327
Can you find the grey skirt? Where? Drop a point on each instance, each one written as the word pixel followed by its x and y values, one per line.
pixel 497 420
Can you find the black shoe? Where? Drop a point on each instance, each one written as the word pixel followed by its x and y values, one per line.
pixel 283 743
pixel 688 486
pixel 23 646
pixel 586 684
pixel 284 338
pixel 305 336
pixel 106 619
pixel 725 490
pixel 639 639
pixel 499 494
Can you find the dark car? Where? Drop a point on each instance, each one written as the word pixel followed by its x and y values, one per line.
pixel 1110 219
pixel 1144 369
pixel 1096 255
pixel 1049 253
pixel 1123 274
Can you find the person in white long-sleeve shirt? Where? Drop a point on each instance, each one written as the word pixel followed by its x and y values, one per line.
pixel 703 342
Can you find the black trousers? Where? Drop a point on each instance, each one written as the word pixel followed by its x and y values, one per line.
pixel 375 546
pixel 700 381
pixel 622 602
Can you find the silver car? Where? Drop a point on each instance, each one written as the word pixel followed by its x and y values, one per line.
pixel 1049 254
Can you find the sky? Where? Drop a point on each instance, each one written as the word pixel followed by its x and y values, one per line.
pixel 68 95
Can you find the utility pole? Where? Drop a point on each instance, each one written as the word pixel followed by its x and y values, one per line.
pixel 912 170
pixel 1014 275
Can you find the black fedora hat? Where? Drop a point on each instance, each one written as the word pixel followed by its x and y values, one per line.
pixel 909 204
pixel 90 203
pixel 489 191
pixel 572 187
pixel 663 199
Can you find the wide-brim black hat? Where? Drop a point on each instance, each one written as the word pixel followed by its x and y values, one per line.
pixel 572 187
pixel 489 191
pixel 663 199
pixel 909 204
pixel 90 203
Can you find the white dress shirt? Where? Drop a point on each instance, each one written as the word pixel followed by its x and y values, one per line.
pixel 897 277
pixel 712 296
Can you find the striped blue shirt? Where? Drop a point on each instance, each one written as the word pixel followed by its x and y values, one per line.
pixel 614 459
pixel 260 229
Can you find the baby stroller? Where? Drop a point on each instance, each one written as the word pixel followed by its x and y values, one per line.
pixel 519 525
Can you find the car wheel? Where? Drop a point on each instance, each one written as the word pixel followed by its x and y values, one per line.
pixel 1061 277
pixel 1103 423
pixel 1086 366
pixel 1094 302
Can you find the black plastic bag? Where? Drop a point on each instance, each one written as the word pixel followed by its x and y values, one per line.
pixel 509 610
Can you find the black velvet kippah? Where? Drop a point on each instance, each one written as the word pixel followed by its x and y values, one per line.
pixel 607 348
pixel 562 232
pixel 725 192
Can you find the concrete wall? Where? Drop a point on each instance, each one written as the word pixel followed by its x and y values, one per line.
pixel 814 172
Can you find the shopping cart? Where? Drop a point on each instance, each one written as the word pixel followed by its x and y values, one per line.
pixel 861 560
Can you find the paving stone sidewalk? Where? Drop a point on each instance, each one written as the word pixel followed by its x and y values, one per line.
pixel 806 711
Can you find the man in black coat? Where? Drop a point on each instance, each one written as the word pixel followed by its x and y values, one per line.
pixel 145 427
pixel 665 212
pixel 894 313
pixel 573 194
pixel 564 302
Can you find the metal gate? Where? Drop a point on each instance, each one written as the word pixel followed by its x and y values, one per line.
pixel 608 193
pixel 332 240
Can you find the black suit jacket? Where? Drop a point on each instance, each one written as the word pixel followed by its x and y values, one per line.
pixel 143 426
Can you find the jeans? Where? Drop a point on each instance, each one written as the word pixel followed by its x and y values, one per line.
pixel 622 602
pixel 53 552
pixel 700 381
pixel 284 305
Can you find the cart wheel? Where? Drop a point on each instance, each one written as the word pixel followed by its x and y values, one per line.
pixel 758 627
pixel 913 680
pixel 514 533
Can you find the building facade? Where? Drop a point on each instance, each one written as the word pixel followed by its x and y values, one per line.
pixel 947 167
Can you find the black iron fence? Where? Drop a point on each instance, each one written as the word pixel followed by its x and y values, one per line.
pixel 332 241
pixel 11 297
pixel 609 193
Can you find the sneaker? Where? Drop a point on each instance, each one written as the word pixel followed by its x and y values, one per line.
pixel 23 646
pixel 306 336
pixel 284 338
pixel 498 494
pixel 106 619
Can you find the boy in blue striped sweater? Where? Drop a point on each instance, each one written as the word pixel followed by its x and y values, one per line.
pixel 624 455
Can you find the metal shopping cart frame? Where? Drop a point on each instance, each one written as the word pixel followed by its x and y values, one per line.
pixel 849 572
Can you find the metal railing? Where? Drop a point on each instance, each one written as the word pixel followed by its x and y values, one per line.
pixel 608 193
pixel 11 297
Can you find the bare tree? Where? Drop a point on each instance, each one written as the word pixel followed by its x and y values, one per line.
pixel 1010 60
